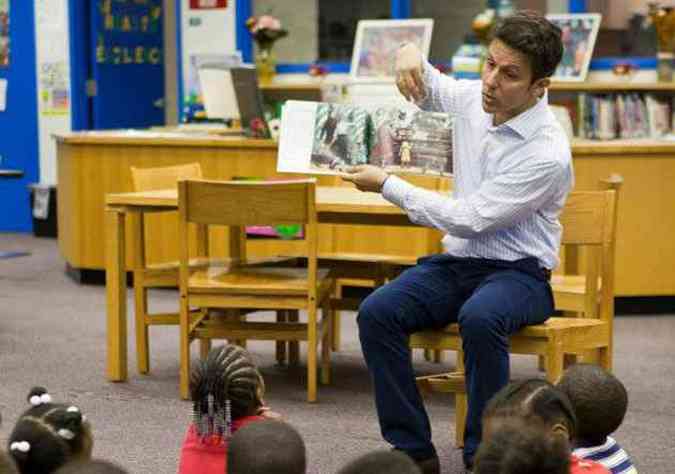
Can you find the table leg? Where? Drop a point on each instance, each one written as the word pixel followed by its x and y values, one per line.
pixel 116 296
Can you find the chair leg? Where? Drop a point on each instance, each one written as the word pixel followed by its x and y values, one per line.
pixel 311 353
pixel 542 363
pixel 282 317
pixel 554 361
pixel 571 359
pixel 461 404
pixel 141 312
pixel 605 358
pixel 239 316
pixel 327 315
pixel 433 355
pixel 204 348
pixel 428 355
pixel 336 319
pixel 461 408
pixel 184 349
pixel 293 346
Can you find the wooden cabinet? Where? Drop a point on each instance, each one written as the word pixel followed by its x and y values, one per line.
pixel 91 165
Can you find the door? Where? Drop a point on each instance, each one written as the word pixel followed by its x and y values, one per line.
pixel 126 58
pixel 18 117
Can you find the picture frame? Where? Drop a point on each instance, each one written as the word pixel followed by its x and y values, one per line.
pixel 579 32
pixel 376 43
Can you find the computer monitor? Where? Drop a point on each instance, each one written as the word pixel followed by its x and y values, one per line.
pixel 249 101
pixel 220 101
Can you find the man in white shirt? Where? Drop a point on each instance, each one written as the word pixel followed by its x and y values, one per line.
pixel 513 171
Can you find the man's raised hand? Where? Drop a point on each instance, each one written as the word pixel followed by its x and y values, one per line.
pixel 409 71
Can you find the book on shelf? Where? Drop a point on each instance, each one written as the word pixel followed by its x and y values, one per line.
pixel 326 138
pixel 624 115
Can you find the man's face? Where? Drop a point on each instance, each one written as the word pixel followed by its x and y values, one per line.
pixel 507 82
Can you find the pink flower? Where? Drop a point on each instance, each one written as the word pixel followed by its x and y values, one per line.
pixel 267 21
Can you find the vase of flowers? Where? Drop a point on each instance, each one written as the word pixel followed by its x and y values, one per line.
pixel 663 18
pixel 266 30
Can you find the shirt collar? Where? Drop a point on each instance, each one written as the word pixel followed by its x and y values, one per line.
pixel 529 121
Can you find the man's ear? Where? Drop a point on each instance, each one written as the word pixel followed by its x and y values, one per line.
pixel 539 86
pixel 561 430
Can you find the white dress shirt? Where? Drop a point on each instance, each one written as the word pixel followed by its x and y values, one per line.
pixel 510 181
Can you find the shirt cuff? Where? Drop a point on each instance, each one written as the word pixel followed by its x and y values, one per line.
pixel 427 78
pixel 395 190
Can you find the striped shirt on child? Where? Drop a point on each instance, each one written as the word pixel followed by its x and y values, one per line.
pixel 610 455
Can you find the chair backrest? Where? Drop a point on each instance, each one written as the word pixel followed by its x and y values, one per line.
pixel 240 203
pixel 165 177
pixel 589 222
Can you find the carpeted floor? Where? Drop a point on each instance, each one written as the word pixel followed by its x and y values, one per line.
pixel 52 333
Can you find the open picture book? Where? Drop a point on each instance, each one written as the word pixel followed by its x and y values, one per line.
pixel 327 138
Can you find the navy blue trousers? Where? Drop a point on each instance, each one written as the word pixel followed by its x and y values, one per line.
pixel 489 298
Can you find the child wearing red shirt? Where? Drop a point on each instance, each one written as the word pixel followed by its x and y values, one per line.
pixel 227 393
pixel 538 403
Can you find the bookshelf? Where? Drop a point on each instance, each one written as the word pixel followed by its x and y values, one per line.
pixel 612 86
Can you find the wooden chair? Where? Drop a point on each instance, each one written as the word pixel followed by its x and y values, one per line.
pixel 155 275
pixel 242 285
pixel 589 221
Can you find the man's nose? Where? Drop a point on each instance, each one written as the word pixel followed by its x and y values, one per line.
pixel 490 78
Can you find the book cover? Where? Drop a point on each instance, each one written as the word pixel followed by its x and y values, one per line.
pixel 325 138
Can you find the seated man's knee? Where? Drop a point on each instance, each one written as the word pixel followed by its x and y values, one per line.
pixel 476 323
pixel 374 313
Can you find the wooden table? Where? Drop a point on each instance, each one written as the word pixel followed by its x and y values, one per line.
pixel 338 205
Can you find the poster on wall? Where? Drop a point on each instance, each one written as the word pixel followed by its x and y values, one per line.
pixel 207 4
pixel 4 33
pixel 54 88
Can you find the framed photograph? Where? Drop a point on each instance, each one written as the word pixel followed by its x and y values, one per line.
pixel 579 31
pixel 376 44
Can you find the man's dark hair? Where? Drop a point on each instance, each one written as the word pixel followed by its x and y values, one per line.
pixel 90 467
pixel 533 35
pixel 530 398
pixel 266 447
pixel 518 446
pixel 381 461
pixel 599 399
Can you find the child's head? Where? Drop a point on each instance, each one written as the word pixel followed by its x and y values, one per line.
pixel 266 447
pixel 599 399
pixel 534 399
pixel 381 461
pixel 48 435
pixel 90 467
pixel 224 387
pixel 519 446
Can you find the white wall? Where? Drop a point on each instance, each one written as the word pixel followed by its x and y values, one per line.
pixel 53 73
pixel 206 32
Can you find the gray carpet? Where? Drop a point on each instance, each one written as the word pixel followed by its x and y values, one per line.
pixel 52 333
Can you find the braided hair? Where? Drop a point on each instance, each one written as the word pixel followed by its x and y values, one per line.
pixel 48 435
pixel 533 398
pixel 224 387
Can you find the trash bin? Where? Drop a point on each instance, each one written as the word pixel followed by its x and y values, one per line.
pixel 43 205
